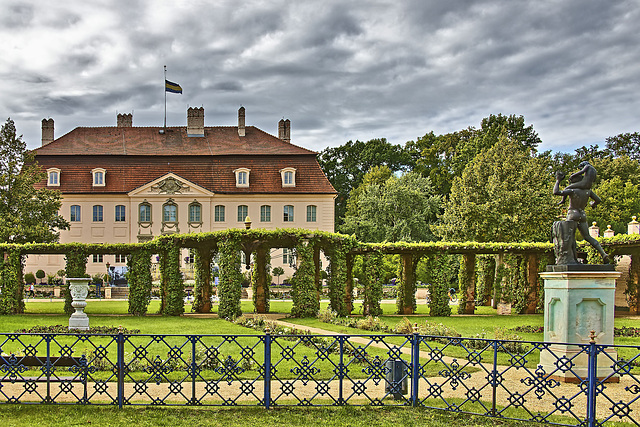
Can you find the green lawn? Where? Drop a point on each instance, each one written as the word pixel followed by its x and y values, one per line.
pixel 277 306
pixel 39 415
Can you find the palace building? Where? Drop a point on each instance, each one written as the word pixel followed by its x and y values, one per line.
pixel 126 184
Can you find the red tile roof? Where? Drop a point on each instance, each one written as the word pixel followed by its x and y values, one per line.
pixel 147 141
pixel 135 156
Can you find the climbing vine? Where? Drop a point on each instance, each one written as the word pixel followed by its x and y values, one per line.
pixel 406 285
pixel 202 290
pixel 230 284
pixel 303 291
pixel 140 283
pixel 337 278
pixel 372 284
pixel 486 266
pixel 442 270
pixel 172 285
pixel 11 284
pixel 261 270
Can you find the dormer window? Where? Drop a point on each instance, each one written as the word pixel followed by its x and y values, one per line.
pixel 53 177
pixel 99 176
pixel 242 177
pixel 288 177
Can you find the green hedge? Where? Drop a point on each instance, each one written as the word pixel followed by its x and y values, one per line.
pixel 230 283
pixel 140 283
pixel 304 292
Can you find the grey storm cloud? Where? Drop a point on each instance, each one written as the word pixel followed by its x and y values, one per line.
pixel 338 69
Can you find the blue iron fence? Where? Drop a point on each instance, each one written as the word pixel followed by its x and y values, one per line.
pixel 495 378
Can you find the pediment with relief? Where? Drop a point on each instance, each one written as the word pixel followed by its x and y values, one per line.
pixel 170 184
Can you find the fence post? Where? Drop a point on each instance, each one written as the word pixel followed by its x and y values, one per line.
pixel 120 347
pixel 341 370
pixel 592 379
pixel 267 368
pixel 415 366
pixel 193 339
pixel 48 339
pixel 494 378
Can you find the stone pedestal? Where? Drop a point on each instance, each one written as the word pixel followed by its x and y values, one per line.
pixel 79 288
pixel 577 302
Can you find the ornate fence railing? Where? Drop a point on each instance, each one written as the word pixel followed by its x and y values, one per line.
pixel 493 378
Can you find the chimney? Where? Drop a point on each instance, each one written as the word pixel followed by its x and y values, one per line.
pixel 287 131
pixel 47 131
pixel 281 129
pixel 125 120
pixel 241 121
pixel 195 121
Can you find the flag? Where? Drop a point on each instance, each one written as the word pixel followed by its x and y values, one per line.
pixel 172 87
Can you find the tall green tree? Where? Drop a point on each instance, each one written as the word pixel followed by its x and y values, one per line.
pixel 400 209
pixel 618 186
pixel 444 157
pixel 625 144
pixel 503 195
pixel 346 165
pixel 27 213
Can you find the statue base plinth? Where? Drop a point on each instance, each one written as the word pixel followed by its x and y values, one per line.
pixel 576 302
pixel 79 322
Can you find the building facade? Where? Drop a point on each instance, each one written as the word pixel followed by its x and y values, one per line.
pixel 128 184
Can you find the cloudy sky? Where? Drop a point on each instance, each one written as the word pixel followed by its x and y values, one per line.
pixel 338 69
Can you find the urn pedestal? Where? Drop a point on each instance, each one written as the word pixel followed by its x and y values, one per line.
pixel 577 302
pixel 79 289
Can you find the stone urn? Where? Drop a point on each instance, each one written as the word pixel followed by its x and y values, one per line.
pixel 79 289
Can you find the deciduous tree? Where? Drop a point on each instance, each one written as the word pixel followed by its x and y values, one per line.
pixel 503 195
pixel 27 213
pixel 400 209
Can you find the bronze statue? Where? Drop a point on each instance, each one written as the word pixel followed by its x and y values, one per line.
pixel 579 192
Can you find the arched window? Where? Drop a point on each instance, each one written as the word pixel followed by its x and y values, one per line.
pixel 53 177
pixel 120 213
pixel 195 212
pixel 98 211
pixel 311 213
pixel 288 176
pixel 170 212
pixel 99 175
pixel 242 177
pixel 144 212
pixel 169 217
pixel 265 213
pixel 219 213
pixel 243 212
pixel 75 213
pixel 288 213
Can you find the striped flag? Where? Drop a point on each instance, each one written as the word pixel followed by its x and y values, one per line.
pixel 172 87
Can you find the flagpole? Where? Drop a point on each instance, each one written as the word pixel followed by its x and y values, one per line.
pixel 165 99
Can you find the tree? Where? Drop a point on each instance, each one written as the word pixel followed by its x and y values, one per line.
pixel 29 278
pixel 346 165
pixel 27 213
pixel 400 209
pixel 625 144
pixel 503 195
pixel 618 186
pixel 444 157
pixel 40 274
pixel 278 271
